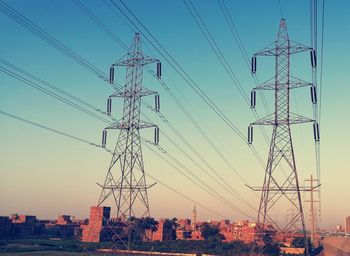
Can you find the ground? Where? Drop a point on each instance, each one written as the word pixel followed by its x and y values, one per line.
pixel 41 253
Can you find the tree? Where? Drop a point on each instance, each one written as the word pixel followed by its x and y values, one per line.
pixel 210 232
pixel 271 248
pixel 299 242
pixel 171 224
pixel 140 225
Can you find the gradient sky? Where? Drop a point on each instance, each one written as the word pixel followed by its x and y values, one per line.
pixel 45 174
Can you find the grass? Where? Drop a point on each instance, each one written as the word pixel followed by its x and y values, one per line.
pixel 40 247
pixel 41 253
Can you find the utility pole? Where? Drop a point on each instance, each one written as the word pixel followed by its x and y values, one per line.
pixel 313 211
pixel 281 187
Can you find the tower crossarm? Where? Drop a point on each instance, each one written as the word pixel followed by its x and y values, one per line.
pixel 292 119
pixel 274 49
pixel 126 126
pixel 282 190
pixel 293 83
pixel 127 93
pixel 134 187
pixel 137 60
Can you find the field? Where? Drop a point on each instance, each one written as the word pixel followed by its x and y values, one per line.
pixel 41 253
pixel 40 247
pixel 49 247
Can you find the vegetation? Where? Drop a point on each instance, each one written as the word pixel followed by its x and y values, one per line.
pixel 211 232
pixel 198 247
pixel 271 248
pixel 32 245
pixel 36 247
pixel 171 224
pixel 299 242
pixel 141 225
pixel 41 253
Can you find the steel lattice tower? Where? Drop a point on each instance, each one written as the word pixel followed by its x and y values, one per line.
pixel 281 189
pixel 129 191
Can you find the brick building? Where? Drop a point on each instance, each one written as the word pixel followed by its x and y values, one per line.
pixel 94 231
pixel 64 220
pixel 347 225
pixel 226 229
pixel 244 231
pixel 63 227
pixel 163 232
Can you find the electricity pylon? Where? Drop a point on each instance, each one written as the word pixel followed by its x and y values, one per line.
pixel 130 191
pixel 281 189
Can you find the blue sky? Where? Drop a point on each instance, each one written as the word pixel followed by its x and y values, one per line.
pixel 45 174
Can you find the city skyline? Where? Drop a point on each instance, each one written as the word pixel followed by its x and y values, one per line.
pixel 39 168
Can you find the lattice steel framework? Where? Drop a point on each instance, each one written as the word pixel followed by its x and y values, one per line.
pixel 130 191
pixel 131 184
pixel 281 189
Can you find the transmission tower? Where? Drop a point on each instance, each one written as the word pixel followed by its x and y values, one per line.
pixel 129 192
pixel 281 189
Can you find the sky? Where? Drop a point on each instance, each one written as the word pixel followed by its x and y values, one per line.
pixel 45 174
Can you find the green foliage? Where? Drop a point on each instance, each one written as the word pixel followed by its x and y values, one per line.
pixel 69 247
pixel 299 242
pixel 195 247
pixel 271 248
pixel 210 232
pixel 171 224
pixel 31 245
pixel 140 225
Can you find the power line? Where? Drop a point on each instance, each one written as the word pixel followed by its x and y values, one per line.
pixel 36 30
pixel 106 149
pixel 197 181
pixel 100 23
pixel 218 52
pixel 321 64
pixel 238 40
pixel 199 21
pixel 50 93
pixel 184 196
pixel 199 128
pixel 16 68
pixel 62 49
pixel 49 129
pixel 167 89
pixel 184 75
pixel 40 88
pixel 217 178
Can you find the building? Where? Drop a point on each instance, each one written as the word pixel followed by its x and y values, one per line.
pixel 95 230
pixel 226 230
pixel 164 231
pixel 64 220
pixel 5 227
pixel 183 234
pixel 23 225
pixel 347 225
pixel 63 227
